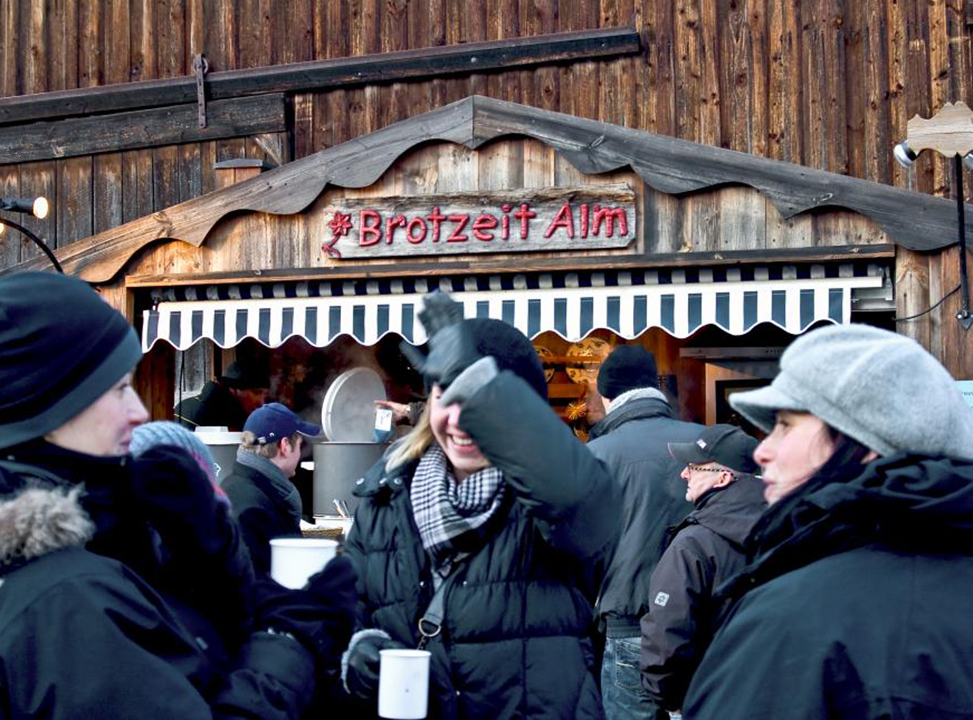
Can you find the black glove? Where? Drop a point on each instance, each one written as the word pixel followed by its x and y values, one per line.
pixel 452 347
pixel 363 665
pixel 439 311
pixel 319 615
pixel 173 493
pixel 203 555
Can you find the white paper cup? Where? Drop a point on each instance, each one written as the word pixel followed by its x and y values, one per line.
pixel 294 560
pixel 403 684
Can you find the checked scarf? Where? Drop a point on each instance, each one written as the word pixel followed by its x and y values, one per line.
pixel 453 517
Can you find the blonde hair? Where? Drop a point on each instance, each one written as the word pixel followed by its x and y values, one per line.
pixel 413 445
pixel 269 451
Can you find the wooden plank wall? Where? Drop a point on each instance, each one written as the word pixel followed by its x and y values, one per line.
pixel 824 83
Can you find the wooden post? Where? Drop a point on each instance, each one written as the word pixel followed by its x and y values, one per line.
pixel 950 133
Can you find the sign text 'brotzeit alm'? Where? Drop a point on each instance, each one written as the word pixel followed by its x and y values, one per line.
pixel 529 220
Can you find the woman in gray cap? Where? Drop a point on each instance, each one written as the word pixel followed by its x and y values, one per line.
pixel 855 603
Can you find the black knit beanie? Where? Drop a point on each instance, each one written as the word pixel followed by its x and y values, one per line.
pixel 61 348
pixel 627 368
pixel 511 349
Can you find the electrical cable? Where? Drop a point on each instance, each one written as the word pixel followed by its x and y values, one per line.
pixel 930 309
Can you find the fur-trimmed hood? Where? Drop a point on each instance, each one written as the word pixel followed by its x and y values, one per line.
pixel 39 520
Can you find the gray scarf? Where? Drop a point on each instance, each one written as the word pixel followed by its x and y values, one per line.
pixel 636 394
pixel 283 487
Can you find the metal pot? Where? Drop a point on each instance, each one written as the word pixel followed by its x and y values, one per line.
pixel 337 465
pixel 222 446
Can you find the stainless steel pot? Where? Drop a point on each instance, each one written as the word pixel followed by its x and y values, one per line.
pixel 337 465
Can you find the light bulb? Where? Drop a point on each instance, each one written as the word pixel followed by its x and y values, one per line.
pixel 41 207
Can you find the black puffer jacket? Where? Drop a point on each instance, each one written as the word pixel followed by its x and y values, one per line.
pixel 633 442
pixel 518 613
pixel 83 636
pixel 707 549
pixel 859 603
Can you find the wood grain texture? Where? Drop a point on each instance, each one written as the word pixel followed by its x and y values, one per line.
pixel 295 77
pixel 664 164
pixel 829 84
pixel 140 129
pixel 142 276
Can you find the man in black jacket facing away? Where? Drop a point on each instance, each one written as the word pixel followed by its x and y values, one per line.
pixel 706 549
pixel 632 441
pixel 265 501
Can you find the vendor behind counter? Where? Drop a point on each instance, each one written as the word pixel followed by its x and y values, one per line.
pixel 228 400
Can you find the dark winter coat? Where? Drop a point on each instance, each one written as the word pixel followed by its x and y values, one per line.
pixel 707 549
pixel 83 636
pixel 258 505
pixel 215 406
pixel 633 442
pixel 859 606
pixel 518 613
pixel 158 516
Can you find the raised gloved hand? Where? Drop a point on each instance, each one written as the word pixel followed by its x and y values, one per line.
pixel 452 347
pixel 439 311
pixel 320 615
pixel 363 662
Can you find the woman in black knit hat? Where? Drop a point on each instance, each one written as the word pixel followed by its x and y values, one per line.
pixel 492 522
pixel 92 623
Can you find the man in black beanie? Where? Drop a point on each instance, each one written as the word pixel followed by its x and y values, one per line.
pixel 92 621
pixel 632 440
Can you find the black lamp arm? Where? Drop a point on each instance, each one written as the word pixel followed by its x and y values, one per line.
pixel 36 240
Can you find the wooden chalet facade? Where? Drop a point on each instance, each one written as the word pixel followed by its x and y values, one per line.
pixel 708 181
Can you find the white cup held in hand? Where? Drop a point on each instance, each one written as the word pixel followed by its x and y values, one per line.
pixel 294 560
pixel 403 684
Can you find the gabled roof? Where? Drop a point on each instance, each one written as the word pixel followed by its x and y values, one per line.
pixel 914 220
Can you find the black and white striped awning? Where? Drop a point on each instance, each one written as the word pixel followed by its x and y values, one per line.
pixel 570 304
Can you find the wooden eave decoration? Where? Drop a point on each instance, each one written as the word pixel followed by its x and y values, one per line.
pixel 914 220
pixel 948 132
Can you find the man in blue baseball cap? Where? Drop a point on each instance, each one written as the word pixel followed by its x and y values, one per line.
pixel 265 501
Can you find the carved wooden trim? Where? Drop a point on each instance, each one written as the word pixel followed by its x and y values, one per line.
pixel 913 220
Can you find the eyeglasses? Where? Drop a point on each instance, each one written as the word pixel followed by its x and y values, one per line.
pixel 700 468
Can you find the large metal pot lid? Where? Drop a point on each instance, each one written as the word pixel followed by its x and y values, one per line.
pixel 348 412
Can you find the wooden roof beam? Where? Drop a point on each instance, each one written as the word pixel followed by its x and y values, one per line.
pixel 340 72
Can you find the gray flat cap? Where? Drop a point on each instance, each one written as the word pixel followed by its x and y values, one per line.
pixel 878 387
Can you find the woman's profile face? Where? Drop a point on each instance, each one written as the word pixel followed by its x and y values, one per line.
pixel 794 451
pixel 463 454
pixel 105 427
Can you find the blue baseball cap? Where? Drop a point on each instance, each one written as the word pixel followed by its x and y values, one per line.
pixel 272 422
